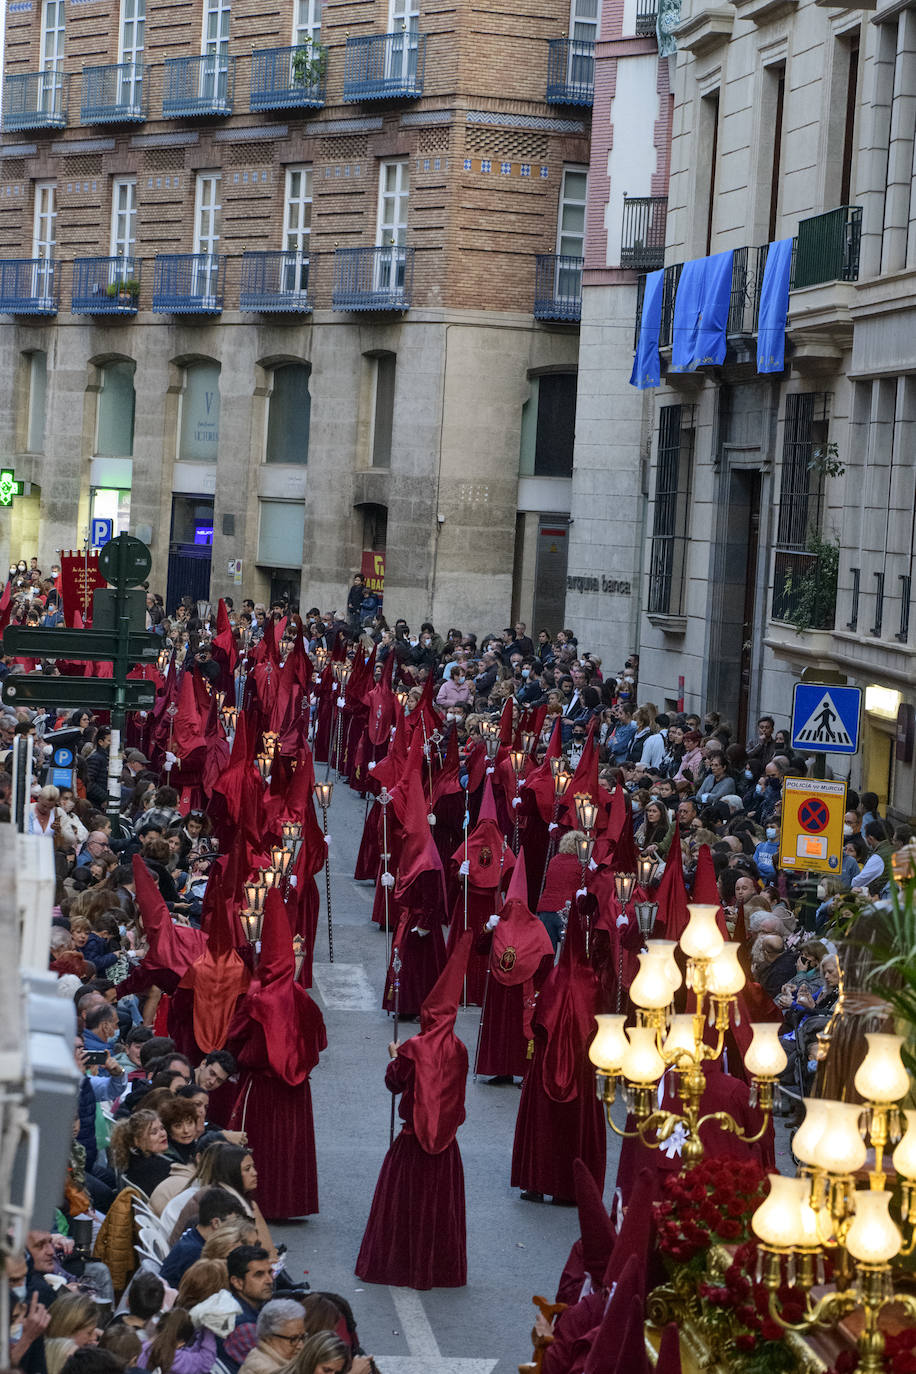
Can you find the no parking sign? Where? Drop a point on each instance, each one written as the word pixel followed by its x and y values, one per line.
pixel 811 835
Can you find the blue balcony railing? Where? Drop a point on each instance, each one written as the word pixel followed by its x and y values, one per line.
pixel 289 78
pixel 373 278
pixel 388 66
pixel 198 86
pixel 571 71
pixel 35 100
pixel 105 286
pixel 189 283
pixel 277 283
pixel 30 286
pixel 117 94
pixel 558 287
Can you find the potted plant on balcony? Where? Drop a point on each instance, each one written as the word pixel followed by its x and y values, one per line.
pixel 126 292
pixel 309 63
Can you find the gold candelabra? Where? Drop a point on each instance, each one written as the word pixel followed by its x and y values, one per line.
pixel 640 1055
pixel 823 1213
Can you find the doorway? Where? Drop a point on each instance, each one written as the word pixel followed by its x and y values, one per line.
pixel 190 549
pixel 551 557
pixel 733 612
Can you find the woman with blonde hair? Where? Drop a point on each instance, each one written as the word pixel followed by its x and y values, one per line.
pixel 204 1278
pixel 137 1150
pixel 73 1324
pixel 323 1353
pixel 230 1236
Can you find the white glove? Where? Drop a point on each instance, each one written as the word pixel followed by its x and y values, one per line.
pixel 370 765
pixel 465 869
pixel 293 880
pixel 327 840
pixel 387 880
pixel 621 922
pixel 593 866
pixel 431 818
pixel 417 931
pixel 170 761
pixel 490 770
pixel 552 827
pixel 341 703
pixel 583 892
pixel 493 922
pixel 516 801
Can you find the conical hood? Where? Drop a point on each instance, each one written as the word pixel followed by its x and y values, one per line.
pixel 440 1059
pixel 440 1007
pixel 520 941
pixel 518 886
pixel 276 961
pixel 706 889
pixel 487 810
pixel 506 722
pixel 635 1235
pixel 672 893
pixel 669 1351
pixel 595 1229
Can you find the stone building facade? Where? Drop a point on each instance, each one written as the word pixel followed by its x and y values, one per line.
pixel 268 279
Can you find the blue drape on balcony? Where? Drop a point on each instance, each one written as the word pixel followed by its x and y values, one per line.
pixel 647 370
pixel 774 307
pixel 701 313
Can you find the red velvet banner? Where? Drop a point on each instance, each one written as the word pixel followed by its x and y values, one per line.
pixel 79 577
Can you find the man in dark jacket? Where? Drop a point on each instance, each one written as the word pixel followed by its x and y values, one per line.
pixel 97 769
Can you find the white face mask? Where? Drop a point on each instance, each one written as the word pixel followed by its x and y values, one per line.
pixel 450 715
pixel 771 832
pixel 821 891
pixel 847 831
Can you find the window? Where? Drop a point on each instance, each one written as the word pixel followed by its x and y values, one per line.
pixel 208 217
pixel 849 118
pixel 401 51
pixel 38 394
pixel 668 558
pixel 130 52
pixel 199 432
pixel 44 238
pixel 111 503
pixel 307 21
pixel 706 162
pixel 297 228
pixel 570 234
pixel 383 409
pixel 115 423
pixel 123 217
pixel 288 415
pixel 556 425
pixel 391 227
pixel 52 35
pixel 776 92
pixel 281 532
pixel 583 20
pixel 214 73
pixel 795 564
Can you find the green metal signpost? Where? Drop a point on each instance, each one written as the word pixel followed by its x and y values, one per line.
pixel 124 562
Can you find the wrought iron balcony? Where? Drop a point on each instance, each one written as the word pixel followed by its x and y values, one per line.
pixel 106 286
pixel 30 286
pixel 289 78
pixel 387 66
pixel 198 86
pixel 277 283
pixel 117 94
pixel 642 244
pixel 827 247
pixel 373 278
pixel 646 17
pixel 189 283
pixel 558 287
pixel 35 100
pixel 571 71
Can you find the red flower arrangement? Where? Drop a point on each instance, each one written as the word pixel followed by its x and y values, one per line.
pixel 899 1354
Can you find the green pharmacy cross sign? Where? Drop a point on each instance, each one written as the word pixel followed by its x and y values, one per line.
pixel 9 487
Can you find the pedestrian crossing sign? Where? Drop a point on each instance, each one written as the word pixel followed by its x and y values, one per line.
pixel 825 720
pixel 811 834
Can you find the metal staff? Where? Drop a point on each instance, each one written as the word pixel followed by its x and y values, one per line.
pixel 384 799
pixel 486 986
pixel 463 782
pixel 323 792
pixel 396 970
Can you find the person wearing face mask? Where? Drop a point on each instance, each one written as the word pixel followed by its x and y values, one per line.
pixel 766 851
pixel 454 689
pixel 531 690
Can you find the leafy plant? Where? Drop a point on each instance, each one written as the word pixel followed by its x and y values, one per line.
pixel 895 976
pixel 809 596
pixel 123 288
pixel 309 63
pixel 827 462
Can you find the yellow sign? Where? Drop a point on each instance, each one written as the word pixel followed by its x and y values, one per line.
pixel 811 836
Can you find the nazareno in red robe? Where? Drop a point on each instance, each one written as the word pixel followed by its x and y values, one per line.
pixel 490 864
pixel 559 1115
pixel 277 1035
pixel 415 1236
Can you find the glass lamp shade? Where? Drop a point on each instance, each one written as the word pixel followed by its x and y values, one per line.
pixel 725 976
pixel 528 739
pixel 610 1044
pixel 517 759
pixel 765 1057
pixel 586 812
pixel 680 1039
pixel 650 989
pixel 623 886
pixel 666 948
pixel 642 1062
pixel 778 1220
pixel 702 938
pixel 904 1156
pixel 561 781
pixel 645 869
pixel 804 1142
pixel 873 1238
pixel 840 1148
pixel 882 1077
pixel 323 791
pixel 492 743
pixel 584 848
pixel 556 764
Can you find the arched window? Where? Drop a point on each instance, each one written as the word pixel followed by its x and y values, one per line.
pixel 289 414
pixel 115 422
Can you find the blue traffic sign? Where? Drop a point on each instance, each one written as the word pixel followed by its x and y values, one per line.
pixel 63 757
pixel 826 719
pixel 100 532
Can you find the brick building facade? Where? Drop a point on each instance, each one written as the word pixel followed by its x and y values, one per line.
pixel 268 287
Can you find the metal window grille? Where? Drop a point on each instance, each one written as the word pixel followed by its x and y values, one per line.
pixel 667 563
pixel 879 604
pixel 906 585
pixel 800 492
pixel 853 621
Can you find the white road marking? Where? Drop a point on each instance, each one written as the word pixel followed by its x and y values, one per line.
pixel 344 987
pixel 425 1356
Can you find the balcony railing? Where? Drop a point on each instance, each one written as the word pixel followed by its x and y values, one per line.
pixel 667 581
pixel 289 78
pixel 642 244
pixel 646 17
pixel 35 100
pixel 558 287
pixel 30 286
pixel 798 589
pixel 106 286
pixel 388 66
pixel 198 86
pixel 189 283
pixel 571 71
pixel 117 94
pixel 747 279
pixel 669 291
pixel 276 283
pixel 373 278
pixel 827 247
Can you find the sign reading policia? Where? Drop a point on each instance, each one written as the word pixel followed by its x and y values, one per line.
pixel 811 836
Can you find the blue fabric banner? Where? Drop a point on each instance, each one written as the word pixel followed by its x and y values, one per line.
pixel 774 308
pixel 647 369
pixel 701 312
